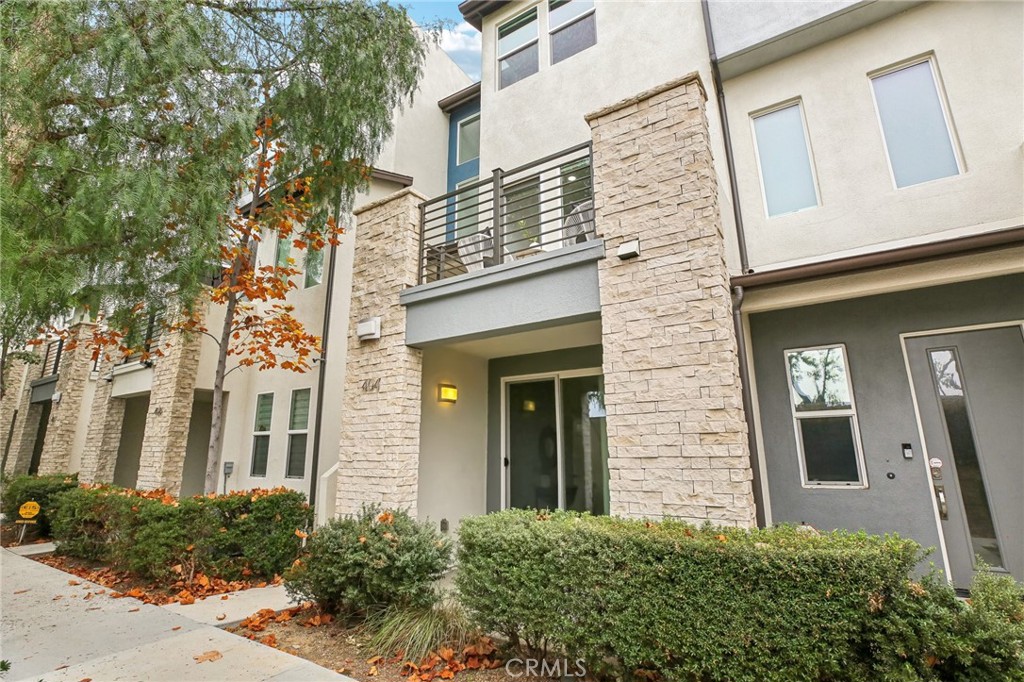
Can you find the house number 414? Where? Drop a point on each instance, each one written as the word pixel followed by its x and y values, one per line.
pixel 371 385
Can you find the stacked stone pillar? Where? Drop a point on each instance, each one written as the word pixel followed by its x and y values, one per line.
pixel 379 453
pixel 170 413
pixel 73 377
pixel 17 416
pixel 676 430
pixel 104 436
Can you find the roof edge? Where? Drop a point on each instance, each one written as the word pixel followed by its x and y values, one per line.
pixel 457 99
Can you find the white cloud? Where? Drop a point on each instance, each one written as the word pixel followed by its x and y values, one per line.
pixel 463 45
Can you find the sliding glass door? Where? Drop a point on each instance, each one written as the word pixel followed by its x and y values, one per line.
pixel 556 452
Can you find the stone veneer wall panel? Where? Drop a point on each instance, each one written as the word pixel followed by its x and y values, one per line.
pixel 170 411
pixel 676 431
pixel 23 420
pixel 73 376
pixel 99 456
pixel 379 452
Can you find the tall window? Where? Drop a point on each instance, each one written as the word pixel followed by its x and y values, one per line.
pixel 261 434
pixel 468 206
pixel 825 417
pixel 784 159
pixel 518 55
pixel 298 430
pixel 314 266
pixel 573 27
pixel 522 215
pixel 914 125
pixel 282 252
pixel 469 140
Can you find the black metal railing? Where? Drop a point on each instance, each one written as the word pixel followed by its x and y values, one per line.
pixel 145 338
pixel 51 358
pixel 536 208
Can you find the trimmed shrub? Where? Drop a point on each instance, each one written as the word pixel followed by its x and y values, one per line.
pixel 634 598
pixel 20 489
pixel 355 566
pixel 151 533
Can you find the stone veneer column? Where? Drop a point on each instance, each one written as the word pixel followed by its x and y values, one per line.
pixel 18 418
pixel 676 432
pixel 164 444
pixel 73 377
pixel 106 417
pixel 379 453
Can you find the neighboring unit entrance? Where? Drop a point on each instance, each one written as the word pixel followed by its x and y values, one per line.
pixel 969 387
pixel 556 450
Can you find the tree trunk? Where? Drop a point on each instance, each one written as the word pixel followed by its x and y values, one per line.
pixel 217 411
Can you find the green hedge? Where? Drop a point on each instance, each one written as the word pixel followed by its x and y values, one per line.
pixel 231 536
pixel 21 489
pixel 682 603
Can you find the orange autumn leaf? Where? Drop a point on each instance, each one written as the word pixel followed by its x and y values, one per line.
pixel 301 534
pixel 210 656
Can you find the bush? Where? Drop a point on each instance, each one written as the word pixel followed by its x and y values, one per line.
pixel 632 597
pixel 415 631
pixel 152 533
pixel 355 566
pixel 20 489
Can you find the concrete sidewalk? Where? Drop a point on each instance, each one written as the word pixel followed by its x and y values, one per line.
pixel 50 632
pixel 237 607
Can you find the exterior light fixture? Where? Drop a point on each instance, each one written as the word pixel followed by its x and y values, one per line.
pixel 447 393
pixel 529 406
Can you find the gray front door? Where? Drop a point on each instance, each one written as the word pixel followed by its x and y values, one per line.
pixel 970 393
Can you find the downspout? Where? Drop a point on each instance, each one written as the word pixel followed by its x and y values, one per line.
pixel 737 292
pixel 314 476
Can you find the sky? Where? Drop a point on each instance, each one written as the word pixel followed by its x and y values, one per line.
pixel 460 40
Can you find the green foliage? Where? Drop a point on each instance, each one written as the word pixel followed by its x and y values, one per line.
pixel 42 489
pixel 710 604
pixel 418 630
pixel 226 535
pixel 354 566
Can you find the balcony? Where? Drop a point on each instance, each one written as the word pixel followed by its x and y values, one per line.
pixel 44 387
pixel 515 215
pixel 515 252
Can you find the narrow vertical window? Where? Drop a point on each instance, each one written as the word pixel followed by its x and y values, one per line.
pixel 573 27
pixel 314 266
pixel 261 434
pixel 469 140
pixel 298 430
pixel 468 206
pixel 282 254
pixel 917 136
pixel 825 417
pixel 518 53
pixel 784 159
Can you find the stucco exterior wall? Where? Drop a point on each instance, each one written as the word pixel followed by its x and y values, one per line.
pixel 861 209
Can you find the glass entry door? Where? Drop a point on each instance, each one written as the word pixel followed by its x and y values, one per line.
pixel 556 449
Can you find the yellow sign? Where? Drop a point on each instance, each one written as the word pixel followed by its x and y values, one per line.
pixel 29 510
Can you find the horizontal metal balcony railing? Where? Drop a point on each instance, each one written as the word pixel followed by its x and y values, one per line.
pixel 536 208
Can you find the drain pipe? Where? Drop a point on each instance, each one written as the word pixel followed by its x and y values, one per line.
pixel 314 476
pixel 737 292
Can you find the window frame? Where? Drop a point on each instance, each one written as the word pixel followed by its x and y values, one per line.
pixel 305 268
pixel 758 113
pixel 458 140
pixel 260 434
pixel 297 432
pixel 850 412
pixel 940 93
pixel 500 55
pixel 552 30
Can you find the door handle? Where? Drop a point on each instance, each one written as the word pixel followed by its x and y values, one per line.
pixel 940 494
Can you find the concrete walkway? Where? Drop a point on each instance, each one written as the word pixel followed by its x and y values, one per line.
pixel 51 632
pixel 237 607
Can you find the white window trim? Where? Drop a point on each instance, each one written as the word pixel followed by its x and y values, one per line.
pixel 754 115
pixel 297 432
pixel 568 22
pixel 458 141
pixel 252 448
pixel 940 92
pixel 848 412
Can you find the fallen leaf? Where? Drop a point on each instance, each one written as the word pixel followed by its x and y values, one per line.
pixel 60 667
pixel 375 660
pixel 373 671
pixel 301 534
pixel 208 656
pixel 223 598
pixel 74 582
pixel 133 610
pixel 269 640
pixel 176 627
pixel 22 591
pixel 85 679
pixel 222 616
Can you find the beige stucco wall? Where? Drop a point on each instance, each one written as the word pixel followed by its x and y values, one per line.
pixel 860 207
pixel 639 45
pixel 453 438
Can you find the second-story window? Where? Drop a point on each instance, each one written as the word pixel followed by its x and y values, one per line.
pixel 573 27
pixel 298 430
pixel 518 54
pixel 917 134
pixel 469 140
pixel 784 159
pixel 314 267
pixel 261 434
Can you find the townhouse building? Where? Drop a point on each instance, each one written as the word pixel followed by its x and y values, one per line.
pixel 738 262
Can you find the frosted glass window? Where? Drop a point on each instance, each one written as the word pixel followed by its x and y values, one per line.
pixel 916 135
pixel 469 139
pixel 518 52
pixel 785 161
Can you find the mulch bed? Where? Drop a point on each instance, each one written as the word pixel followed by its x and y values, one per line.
pixel 304 632
pixel 9 533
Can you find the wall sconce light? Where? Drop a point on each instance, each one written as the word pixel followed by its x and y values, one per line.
pixel 447 393
pixel 529 406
